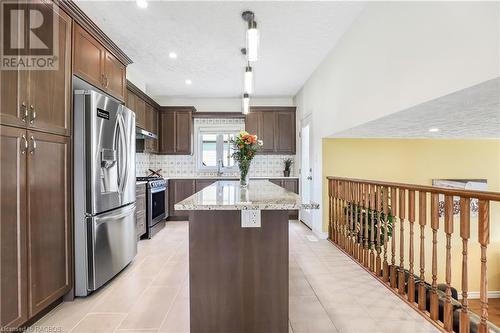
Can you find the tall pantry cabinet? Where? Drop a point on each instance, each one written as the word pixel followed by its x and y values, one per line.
pixel 35 184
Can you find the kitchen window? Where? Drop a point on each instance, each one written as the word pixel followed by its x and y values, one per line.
pixel 215 150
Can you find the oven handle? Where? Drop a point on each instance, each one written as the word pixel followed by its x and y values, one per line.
pixel 158 189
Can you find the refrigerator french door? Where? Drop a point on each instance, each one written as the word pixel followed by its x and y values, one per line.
pixel 104 187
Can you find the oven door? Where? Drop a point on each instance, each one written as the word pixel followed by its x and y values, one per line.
pixel 156 205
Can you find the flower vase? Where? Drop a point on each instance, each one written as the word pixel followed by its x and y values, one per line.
pixel 244 166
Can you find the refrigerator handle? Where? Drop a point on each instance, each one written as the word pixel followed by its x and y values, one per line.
pixel 123 158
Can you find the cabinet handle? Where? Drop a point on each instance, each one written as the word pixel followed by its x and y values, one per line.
pixel 25 148
pixel 106 80
pixel 33 114
pixel 32 139
pixel 102 79
pixel 25 113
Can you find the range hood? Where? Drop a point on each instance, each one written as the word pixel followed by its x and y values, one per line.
pixel 143 134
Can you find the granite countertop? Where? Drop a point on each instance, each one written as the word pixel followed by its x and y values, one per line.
pixel 228 195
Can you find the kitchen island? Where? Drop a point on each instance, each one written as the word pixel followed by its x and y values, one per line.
pixel 238 257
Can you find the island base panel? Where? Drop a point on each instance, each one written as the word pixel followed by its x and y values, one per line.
pixel 238 277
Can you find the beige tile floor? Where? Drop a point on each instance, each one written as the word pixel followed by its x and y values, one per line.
pixel 328 293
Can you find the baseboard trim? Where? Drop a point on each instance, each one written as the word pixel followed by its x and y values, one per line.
pixel 476 294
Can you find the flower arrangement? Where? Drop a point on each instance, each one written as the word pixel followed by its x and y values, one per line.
pixel 246 146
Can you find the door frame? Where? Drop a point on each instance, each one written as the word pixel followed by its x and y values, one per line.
pixel 305 215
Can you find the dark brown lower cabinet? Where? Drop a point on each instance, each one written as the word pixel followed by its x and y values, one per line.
pixel 178 190
pixel 36 242
pixel 140 209
pixel 13 248
pixel 49 234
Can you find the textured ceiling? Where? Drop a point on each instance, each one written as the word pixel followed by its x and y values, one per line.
pixel 473 113
pixel 208 35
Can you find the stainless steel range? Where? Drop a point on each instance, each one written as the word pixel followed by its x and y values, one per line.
pixel 156 204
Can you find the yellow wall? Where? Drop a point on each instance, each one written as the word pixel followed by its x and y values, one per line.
pixel 418 161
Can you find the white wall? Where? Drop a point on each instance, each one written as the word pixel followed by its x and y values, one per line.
pixel 397 55
pixel 136 78
pixel 222 104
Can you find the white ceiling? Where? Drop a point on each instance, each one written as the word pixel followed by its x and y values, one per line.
pixel 208 35
pixel 472 113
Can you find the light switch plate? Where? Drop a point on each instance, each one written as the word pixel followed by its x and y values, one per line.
pixel 250 218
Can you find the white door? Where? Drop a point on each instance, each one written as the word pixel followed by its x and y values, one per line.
pixel 305 171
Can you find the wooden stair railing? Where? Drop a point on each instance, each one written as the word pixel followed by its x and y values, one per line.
pixel 366 217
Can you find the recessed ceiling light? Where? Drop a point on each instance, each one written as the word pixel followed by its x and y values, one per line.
pixel 434 129
pixel 142 3
pixel 172 55
pixel 188 82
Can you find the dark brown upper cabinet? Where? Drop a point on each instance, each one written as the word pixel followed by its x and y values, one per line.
pixel 96 65
pixel 176 130
pixel 41 99
pixel 275 126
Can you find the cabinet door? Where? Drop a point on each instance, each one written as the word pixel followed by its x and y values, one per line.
pixel 50 90
pixel 276 181
pixel 140 112
pixel 14 94
pixel 49 230
pixel 252 123
pixel 167 133
pixel 149 118
pixel 291 185
pixel 202 183
pixel 88 57
pixel 183 128
pixel 179 189
pixel 130 102
pixel 114 76
pixel 268 131
pixel 285 132
pixel 13 256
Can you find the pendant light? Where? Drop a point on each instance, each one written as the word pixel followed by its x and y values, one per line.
pixel 248 83
pixel 252 41
pixel 252 46
pixel 246 103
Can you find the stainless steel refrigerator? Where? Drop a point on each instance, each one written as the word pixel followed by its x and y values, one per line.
pixel 104 187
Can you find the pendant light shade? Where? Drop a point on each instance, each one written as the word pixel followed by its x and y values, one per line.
pixel 248 84
pixel 246 103
pixel 252 41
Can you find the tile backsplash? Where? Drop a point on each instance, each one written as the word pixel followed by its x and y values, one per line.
pixel 185 165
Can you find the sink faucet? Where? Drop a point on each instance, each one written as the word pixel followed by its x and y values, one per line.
pixel 219 168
